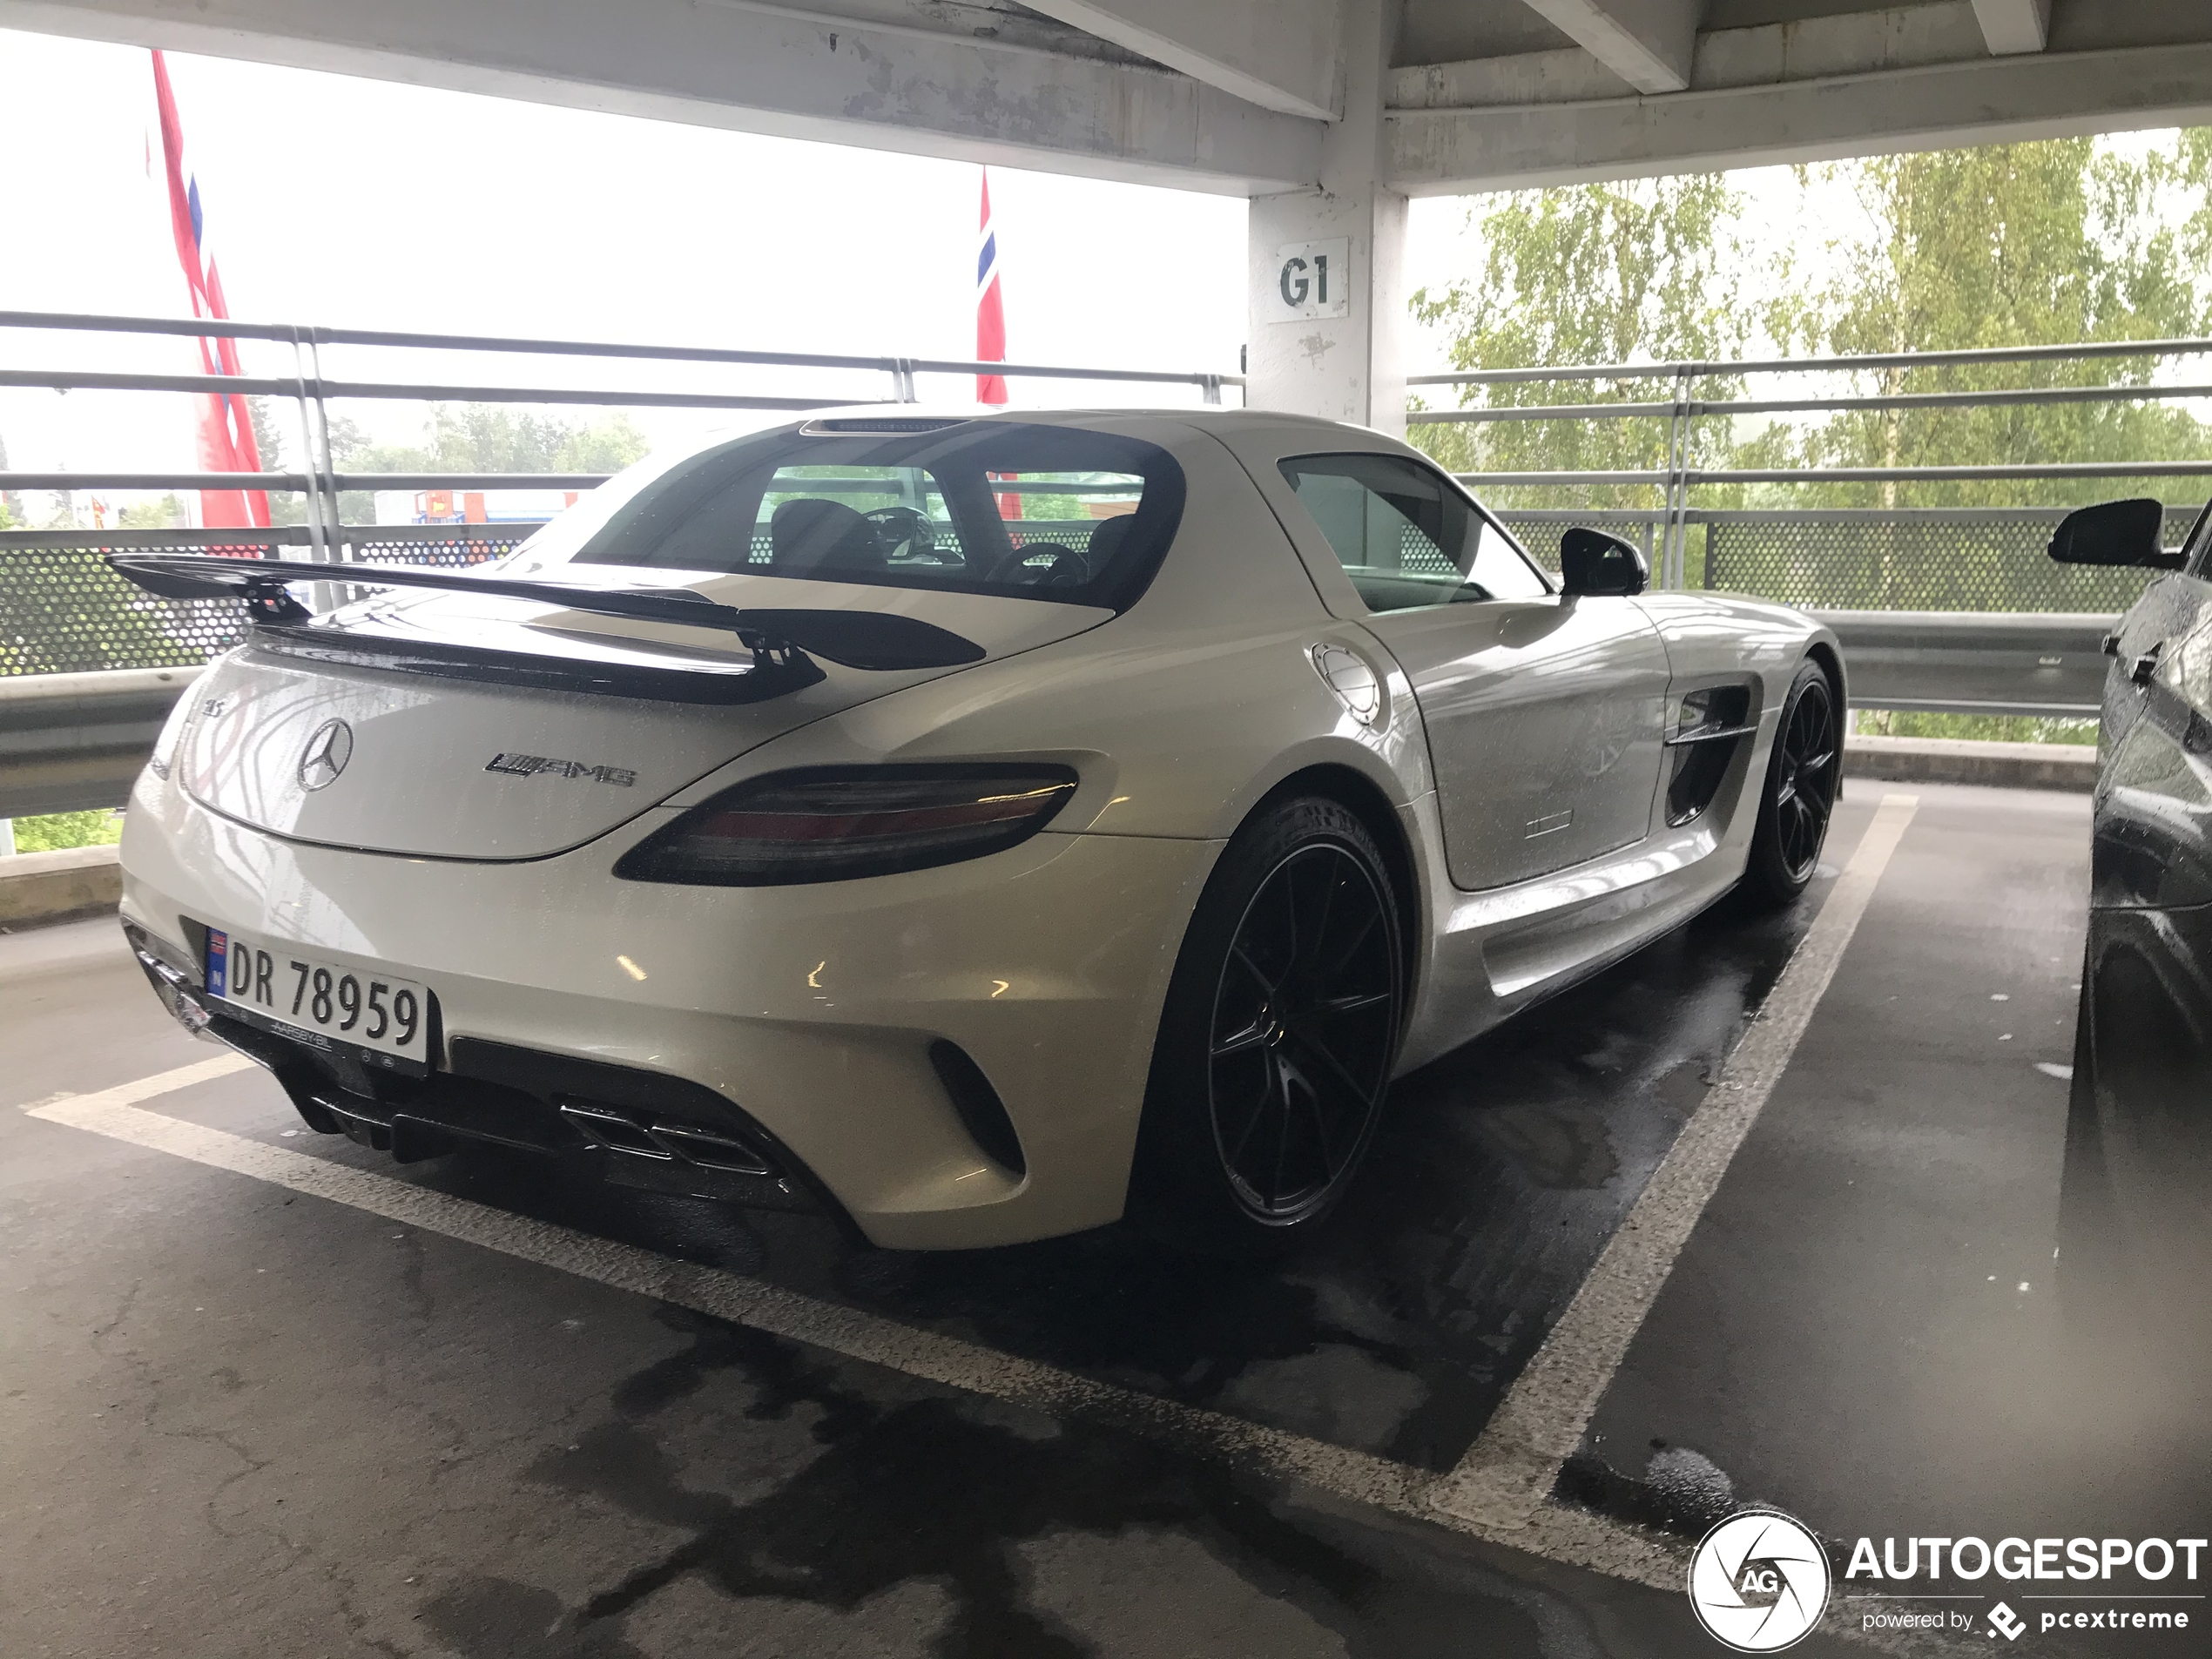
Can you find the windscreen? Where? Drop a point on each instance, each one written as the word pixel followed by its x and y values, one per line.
pixel 982 506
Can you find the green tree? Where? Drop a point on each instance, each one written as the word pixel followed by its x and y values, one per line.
pixel 10 504
pixel 478 437
pixel 2007 245
pixel 1647 271
pixel 151 514
pixel 271 424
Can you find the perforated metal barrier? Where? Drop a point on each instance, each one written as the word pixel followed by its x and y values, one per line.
pixel 1930 560
pixel 64 612
pixel 61 609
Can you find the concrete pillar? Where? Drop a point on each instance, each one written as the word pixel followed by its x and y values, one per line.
pixel 1327 303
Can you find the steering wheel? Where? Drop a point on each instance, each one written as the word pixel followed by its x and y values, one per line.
pixel 898 527
pixel 1058 566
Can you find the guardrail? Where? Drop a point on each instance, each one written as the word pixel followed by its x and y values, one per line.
pixel 73 740
pixel 312 392
pixel 70 743
pixel 1677 476
pixel 1974 619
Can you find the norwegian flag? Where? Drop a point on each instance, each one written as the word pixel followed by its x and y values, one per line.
pixel 224 431
pixel 990 330
pixel 990 313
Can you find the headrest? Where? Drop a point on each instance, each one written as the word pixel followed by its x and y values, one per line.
pixel 810 533
pixel 1106 540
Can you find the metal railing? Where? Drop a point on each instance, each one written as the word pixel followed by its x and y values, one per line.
pixel 1677 477
pixel 312 391
pixel 1949 609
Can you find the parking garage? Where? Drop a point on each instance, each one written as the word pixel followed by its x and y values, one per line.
pixel 272 1393
pixel 1769 1216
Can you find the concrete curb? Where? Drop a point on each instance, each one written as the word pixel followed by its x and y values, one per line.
pixel 1960 760
pixel 55 887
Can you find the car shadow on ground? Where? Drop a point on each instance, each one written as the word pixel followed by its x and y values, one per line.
pixel 1497 1177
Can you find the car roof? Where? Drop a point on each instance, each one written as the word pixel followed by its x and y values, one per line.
pixel 1204 415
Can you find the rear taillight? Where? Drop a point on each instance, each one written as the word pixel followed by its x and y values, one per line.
pixel 836 823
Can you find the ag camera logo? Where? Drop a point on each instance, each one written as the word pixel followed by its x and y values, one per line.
pixel 1758 1582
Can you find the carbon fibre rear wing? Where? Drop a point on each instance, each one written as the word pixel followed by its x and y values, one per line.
pixel 873 640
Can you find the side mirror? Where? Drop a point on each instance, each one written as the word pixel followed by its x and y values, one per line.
pixel 2115 532
pixel 1593 563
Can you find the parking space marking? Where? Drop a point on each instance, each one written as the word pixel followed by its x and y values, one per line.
pixel 1501 1485
pixel 1571 1537
pixel 1499 1493
pixel 162 1082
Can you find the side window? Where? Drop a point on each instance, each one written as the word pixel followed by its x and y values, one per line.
pixel 1405 537
pixel 2196 547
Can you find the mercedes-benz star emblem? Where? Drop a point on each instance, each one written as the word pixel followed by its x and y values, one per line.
pixel 1759 1581
pixel 328 750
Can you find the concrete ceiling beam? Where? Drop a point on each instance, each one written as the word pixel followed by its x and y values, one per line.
pixel 1282 55
pixel 754 68
pixel 2012 26
pixel 1648 43
pixel 1988 100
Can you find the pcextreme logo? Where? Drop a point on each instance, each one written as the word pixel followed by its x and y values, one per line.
pixel 1758 1582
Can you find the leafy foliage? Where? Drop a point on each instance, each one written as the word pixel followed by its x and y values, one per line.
pixel 478 437
pixel 1647 271
pixel 57 830
pixel 1993 728
pixel 2006 244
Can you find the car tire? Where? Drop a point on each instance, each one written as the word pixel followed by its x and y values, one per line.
pixel 1798 796
pixel 1277 1042
pixel 2134 1256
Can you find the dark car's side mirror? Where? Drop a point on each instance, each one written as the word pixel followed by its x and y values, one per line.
pixel 1593 563
pixel 2115 532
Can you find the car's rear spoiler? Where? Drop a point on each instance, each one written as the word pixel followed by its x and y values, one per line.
pixel 863 639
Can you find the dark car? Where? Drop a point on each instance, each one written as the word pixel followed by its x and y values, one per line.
pixel 2135 1252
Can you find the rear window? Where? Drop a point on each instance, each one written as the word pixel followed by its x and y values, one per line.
pixel 998 507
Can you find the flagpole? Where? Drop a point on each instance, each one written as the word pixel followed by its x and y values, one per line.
pixel 224 434
pixel 990 327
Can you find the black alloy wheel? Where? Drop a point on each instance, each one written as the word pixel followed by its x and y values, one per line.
pixel 1800 794
pixel 1276 1048
pixel 1302 1022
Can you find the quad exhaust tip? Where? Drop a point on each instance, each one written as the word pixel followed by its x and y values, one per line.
pixel 615 1130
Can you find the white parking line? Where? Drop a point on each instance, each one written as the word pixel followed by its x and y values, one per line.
pixel 1498 1492
pixel 1564 1535
pixel 1509 1471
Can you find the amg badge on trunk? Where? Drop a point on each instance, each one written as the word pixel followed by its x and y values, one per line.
pixel 524 765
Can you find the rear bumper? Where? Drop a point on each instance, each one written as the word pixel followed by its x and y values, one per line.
pixel 811 1011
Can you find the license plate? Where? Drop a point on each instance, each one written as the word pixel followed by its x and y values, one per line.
pixel 322 1004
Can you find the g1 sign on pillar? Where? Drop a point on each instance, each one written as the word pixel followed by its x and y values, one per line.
pixel 1313 279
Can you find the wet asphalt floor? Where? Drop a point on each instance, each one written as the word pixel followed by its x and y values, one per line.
pixel 242 1420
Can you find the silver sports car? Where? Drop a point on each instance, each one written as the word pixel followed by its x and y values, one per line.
pixel 981 826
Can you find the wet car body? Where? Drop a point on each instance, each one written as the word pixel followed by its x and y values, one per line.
pixel 1256 628
pixel 2137 1229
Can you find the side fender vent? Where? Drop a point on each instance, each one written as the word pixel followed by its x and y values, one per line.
pixel 981 1113
pixel 1713 726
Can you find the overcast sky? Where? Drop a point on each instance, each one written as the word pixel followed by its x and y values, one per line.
pixel 366 203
